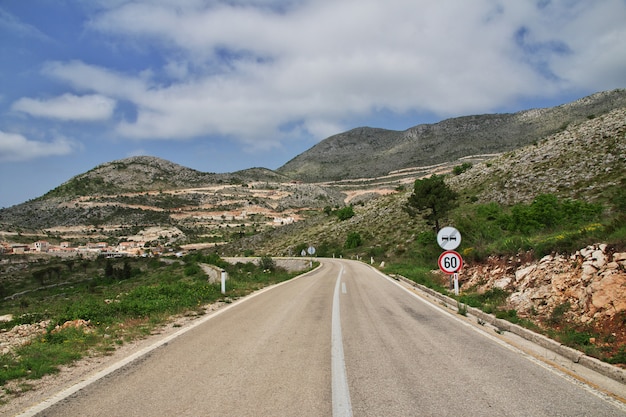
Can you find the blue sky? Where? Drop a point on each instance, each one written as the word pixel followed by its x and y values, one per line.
pixel 220 86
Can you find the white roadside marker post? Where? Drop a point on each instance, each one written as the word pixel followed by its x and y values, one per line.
pixel 224 274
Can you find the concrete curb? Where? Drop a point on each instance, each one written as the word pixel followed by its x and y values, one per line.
pixel 603 368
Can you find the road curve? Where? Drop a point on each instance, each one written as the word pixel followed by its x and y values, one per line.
pixel 342 340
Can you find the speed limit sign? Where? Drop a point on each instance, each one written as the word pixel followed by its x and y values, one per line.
pixel 450 262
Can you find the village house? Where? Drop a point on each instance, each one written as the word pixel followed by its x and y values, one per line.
pixel 131 247
pixel 283 220
pixel 134 248
pixel 41 246
pixel 19 249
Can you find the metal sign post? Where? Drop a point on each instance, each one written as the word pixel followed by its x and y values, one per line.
pixel 311 251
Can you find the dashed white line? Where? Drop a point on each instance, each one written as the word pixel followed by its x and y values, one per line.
pixel 342 407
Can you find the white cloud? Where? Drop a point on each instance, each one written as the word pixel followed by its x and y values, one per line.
pixel 12 24
pixel 15 147
pixel 68 107
pixel 106 81
pixel 244 69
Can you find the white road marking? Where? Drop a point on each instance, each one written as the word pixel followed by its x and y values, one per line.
pixel 342 407
pixel 343 288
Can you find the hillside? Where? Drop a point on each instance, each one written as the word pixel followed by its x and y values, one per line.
pixel 140 192
pixel 580 162
pixel 367 152
pixel 585 161
pixel 147 173
pixel 120 198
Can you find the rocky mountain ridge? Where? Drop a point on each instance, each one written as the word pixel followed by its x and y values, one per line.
pixel 586 161
pixel 368 152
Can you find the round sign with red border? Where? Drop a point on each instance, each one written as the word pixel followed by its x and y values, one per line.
pixel 450 262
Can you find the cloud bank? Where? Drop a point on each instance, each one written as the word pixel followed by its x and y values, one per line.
pixel 68 107
pixel 262 73
pixel 15 147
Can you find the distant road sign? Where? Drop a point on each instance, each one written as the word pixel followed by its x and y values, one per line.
pixel 450 262
pixel 449 238
pixel 311 250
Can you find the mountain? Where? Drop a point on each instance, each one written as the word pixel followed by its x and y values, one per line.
pixel 367 152
pixel 145 191
pixel 139 192
pixel 147 173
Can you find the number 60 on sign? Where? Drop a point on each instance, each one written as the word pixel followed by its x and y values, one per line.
pixel 450 262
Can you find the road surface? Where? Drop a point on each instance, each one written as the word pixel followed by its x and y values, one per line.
pixel 342 340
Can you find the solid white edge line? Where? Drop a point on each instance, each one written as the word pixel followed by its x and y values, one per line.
pixel 60 396
pixel 342 407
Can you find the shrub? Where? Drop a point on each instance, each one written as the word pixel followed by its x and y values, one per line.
pixel 345 213
pixel 459 169
pixel 353 240
pixel 559 312
pixel 547 212
pixel 267 263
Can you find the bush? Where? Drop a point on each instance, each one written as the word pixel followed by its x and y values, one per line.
pixel 459 169
pixel 353 240
pixel 192 269
pixel 345 213
pixel 547 212
pixel 559 312
pixel 267 264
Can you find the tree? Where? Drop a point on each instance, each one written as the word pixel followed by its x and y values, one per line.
pixel 127 271
pixel 432 199
pixel 108 269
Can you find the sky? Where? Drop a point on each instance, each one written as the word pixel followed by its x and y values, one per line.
pixel 225 85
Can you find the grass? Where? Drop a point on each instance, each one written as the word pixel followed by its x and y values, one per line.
pixel 419 275
pixel 118 310
pixel 489 301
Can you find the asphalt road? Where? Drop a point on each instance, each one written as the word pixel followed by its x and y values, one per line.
pixel 340 341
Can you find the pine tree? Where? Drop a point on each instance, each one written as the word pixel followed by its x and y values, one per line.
pixel 432 199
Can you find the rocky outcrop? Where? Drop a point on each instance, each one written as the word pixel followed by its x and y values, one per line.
pixel 587 288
